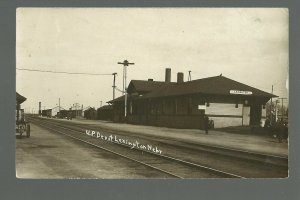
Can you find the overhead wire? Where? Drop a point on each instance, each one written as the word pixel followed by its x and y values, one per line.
pixel 62 72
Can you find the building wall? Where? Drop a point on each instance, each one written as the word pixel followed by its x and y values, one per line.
pixel 179 112
pixel 118 112
pixel 183 112
pixel 105 114
pixel 55 111
pixel 263 116
pixel 171 121
pixel 225 115
pixel 76 113
pixel 220 122
pixel 224 109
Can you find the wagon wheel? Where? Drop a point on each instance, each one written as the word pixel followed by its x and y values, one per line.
pixel 28 130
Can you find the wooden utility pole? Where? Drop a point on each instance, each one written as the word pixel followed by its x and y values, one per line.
pixel 271 116
pixel 276 110
pixel 125 64
pixel 114 85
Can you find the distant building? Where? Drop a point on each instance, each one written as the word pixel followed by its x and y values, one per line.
pixel 64 114
pixel 183 104
pixel 70 114
pixel 47 113
pixel 76 113
pixel 55 111
pixel 90 113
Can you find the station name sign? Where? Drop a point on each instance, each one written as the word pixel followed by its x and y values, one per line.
pixel 240 92
pixel 201 107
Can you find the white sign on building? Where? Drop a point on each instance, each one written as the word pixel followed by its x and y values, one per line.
pixel 240 92
pixel 201 107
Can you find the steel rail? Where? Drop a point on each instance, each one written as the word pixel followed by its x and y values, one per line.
pixel 113 152
pixel 263 156
pixel 216 171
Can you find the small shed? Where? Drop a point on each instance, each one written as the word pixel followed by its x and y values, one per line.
pixel 90 113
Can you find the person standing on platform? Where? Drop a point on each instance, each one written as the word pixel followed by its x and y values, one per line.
pixel 206 123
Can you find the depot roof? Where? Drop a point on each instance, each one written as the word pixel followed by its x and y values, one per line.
pixel 106 107
pixel 142 86
pixel 217 85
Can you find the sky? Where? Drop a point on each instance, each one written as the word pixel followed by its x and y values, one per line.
pixel 249 45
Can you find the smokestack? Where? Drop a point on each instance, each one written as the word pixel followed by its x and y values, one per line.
pixel 40 108
pixel 168 75
pixel 179 77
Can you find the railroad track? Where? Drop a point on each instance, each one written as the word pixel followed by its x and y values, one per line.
pixel 273 160
pixel 174 167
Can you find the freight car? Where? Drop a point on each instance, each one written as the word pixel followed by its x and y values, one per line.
pixel 65 114
pixel 47 113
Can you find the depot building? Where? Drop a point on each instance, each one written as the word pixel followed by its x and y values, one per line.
pixel 183 104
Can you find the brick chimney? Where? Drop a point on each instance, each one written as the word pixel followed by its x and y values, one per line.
pixel 168 75
pixel 40 108
pixel 179 77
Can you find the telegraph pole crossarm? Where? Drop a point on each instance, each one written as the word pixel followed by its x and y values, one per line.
pixel 125 63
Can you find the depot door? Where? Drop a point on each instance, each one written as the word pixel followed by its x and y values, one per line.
pixel 246 116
